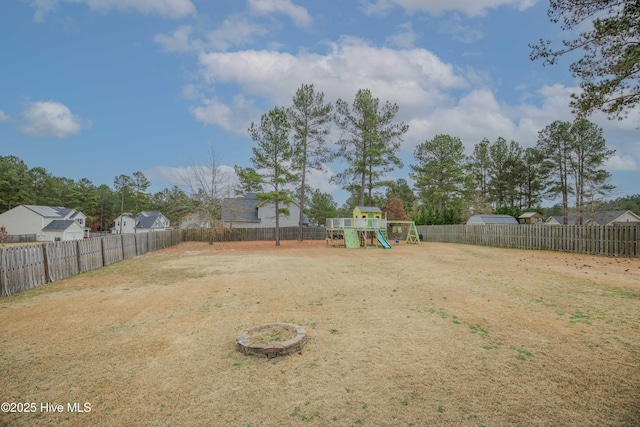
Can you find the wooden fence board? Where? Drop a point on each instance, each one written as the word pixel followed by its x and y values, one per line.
pixel 112 249
pixel 62 260
pixel 611 240
pixel 251 234
pixel 128 245
pixel 90 253
pixel 142 243
pixel 23 267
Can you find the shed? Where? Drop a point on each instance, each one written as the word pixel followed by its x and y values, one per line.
pixel 486 219
pixel 530 218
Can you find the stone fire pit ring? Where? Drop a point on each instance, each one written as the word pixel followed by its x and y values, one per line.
pixel 246 344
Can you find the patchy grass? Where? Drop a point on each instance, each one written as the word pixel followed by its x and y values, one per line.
pixel 435 334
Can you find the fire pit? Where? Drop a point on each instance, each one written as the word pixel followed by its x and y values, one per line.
pixel 272 340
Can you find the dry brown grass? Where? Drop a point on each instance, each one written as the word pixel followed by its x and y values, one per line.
pixel 437 334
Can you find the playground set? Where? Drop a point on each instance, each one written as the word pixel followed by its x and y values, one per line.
pixel 368 224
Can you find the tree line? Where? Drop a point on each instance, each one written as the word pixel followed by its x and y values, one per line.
pixel 21 185
pixel 566 164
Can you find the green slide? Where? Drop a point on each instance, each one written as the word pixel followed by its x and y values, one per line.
pixel 382 240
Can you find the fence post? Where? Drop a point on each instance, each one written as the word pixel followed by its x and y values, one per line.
pixel 78 257
pixel 45 258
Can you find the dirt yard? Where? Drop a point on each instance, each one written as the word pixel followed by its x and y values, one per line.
pixel 429 335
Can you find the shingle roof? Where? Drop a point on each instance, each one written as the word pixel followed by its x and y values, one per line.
pixel 528 214
pixel 492 219
pixel 49 211
pixel 369 209
pixel 59 225
pixel 146 219
pixel 244 209
pixel 241 208
pixel 599 217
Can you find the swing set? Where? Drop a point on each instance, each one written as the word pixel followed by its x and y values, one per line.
pixel 396 230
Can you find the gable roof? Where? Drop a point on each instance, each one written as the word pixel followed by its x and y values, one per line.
pixel 491 219
pixel 147 219
pixel 369 209
pixel 529 215
pixel 599 217
pixel 241 208
pixel 245 209
pixel 605 217
pixel 51 211
pixel 59 225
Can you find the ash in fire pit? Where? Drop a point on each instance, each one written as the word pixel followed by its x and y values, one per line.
pixel 272 339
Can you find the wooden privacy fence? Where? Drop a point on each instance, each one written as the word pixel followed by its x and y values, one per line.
pixel 249 234
pixel 609 240
pixel 23 267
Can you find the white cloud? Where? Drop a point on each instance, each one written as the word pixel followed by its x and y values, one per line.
pixel 298 14
pixel 461 31
pixel 319 180
pixel 179 40
pixel 624 162
pixel 4 117
pixel 190 92
pixel 475 116
pixel 42 7
pixel 189 176
pixel 379 7
pixel 51 119
pixel 235 118
pixel 468 7
pixel 234 31
pixel 166 8
pixel 405 37
pixel 412 78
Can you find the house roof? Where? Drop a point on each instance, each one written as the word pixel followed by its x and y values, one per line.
pixel 241 208
pixel 244 209
pixel 492 219
pixel 59 225
pixel 146 219
pixel 599 217
pixel 529 215
pixel 50 211
pixel 154 214
pixel 369 209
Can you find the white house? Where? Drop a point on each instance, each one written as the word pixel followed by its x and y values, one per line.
pixel 144 222
pixel 124 224
pixel 598 218
pixel 48 223
pixel 246 212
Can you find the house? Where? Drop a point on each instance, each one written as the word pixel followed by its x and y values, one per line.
pixel 247 212
pixel 195 220
pixel 144 222
pixel 487 219
pixel 124 224
pixel 598 218
pixel 530 218
pixel 48 223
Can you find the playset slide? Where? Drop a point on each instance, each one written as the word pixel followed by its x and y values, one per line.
pixel 382 240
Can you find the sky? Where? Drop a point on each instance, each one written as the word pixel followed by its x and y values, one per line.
pixel 98 88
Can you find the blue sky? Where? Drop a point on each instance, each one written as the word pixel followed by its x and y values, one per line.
pixel 98 88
